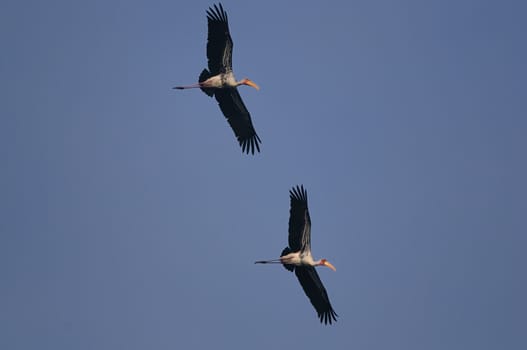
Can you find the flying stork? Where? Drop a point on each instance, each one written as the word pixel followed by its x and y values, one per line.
pixel 219 80
pixel 297 256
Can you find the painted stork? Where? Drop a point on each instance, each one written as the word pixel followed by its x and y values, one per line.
pixel 297 256
pixel 219 80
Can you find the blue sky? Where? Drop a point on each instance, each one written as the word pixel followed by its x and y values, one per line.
pixel 131 219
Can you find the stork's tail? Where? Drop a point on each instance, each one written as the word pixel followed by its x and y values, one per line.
pixel 288 267
pixel 205 74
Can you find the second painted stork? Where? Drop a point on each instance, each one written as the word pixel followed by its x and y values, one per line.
pixel 297 256
pixel 219 80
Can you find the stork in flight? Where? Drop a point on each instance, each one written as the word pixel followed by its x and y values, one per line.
pixel 219 80
pixel 297 256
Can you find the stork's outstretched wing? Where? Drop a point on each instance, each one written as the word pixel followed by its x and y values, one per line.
pixel 299 220
pixel 219 44
pixel 238 116
pixel 314 289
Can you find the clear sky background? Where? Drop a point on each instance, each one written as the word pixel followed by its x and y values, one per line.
pixel 130 219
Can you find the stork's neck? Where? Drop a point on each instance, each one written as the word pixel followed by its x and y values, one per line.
pixel 307 259
pixel 319 262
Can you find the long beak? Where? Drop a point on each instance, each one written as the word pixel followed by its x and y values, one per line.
pixel 252 83
pixel 328 264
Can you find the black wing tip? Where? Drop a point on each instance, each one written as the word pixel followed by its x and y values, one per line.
pixel 298 193
pixel 217 13
pixel 328 317
pixel 250 144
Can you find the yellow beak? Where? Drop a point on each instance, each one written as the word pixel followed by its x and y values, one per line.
pixel 328 264
pixel 252 84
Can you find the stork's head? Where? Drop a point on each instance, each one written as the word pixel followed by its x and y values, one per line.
pixel 249 82
pixel 324 262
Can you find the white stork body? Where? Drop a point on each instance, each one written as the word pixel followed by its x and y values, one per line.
pixel 225 80
pixel 304 259
pixel 296 258
pixel 219 81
